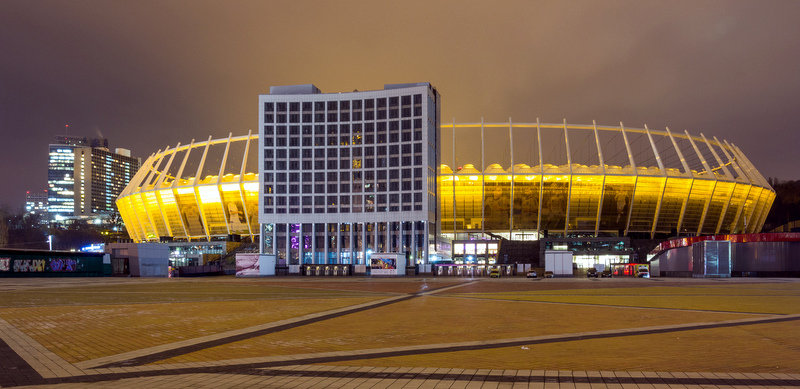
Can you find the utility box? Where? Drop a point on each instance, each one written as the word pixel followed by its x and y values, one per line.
pixel 143 259
pixel 711 258
pixel 559 262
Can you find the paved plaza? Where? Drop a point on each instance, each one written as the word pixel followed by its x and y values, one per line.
pixel 410 332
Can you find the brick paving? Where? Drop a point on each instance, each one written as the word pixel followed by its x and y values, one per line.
pixel 25 362
pixel 372 377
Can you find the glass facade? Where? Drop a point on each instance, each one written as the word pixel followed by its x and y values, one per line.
pixel 60 180
pixel 364 163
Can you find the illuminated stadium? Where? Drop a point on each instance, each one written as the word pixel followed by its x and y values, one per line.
pixel 196 191
pixel 512 180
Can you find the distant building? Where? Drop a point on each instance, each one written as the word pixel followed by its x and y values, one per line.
pixel 84 177
pixel 60 181
pixel 36 202
pixel 102 175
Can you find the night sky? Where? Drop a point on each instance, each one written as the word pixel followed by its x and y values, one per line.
pixel 146 74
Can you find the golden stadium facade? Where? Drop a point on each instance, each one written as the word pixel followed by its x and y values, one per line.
pixel 515 180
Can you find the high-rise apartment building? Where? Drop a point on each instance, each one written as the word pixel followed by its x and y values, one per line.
pixel 84 178
pixel 101 175
pixel 345 175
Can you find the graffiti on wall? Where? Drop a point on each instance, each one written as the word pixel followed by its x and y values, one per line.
pixel 29 265
pixel 59 265
pixel 63 265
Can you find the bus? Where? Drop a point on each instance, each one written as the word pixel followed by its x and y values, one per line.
pixel 640 270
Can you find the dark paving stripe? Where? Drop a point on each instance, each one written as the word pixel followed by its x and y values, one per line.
pixel 567 379
pixel 501 344
pixel 143 360
pixel 14 370
pixel 611 305
pixel 434 350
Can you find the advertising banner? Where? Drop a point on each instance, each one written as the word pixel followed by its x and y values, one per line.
pixel 247 265
pixel 387 264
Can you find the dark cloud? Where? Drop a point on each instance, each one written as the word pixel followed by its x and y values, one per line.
pixel 147 74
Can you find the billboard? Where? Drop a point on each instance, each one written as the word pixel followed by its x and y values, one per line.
pixel 247 265
pixel 383 264
pixel 254 265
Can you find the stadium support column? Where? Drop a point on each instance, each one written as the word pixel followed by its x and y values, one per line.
pixel 241 188
pixel 483 181
pixel 511 198
pixel 759 180
pixel 743 175
pixel 175 186
pixel 569 189
pixel 453 181
pixel 731 160
pixel 636 179
pixel 758 210
pixel 728 175
pixel 541 177
pixel 219 183
pixel 196 188
pixel 740 175
pixel 603 185
pixel 740 212
pixel 663 183
pixel 158 185
pixel 713 188
pixel 137 178
pixel 688 173
pixel 142 196
pixel 764 211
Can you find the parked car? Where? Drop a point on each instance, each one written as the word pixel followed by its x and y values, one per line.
pixel 606 273
pixel 532 274
pixel 591 273
pixel 548 274
pixel 643 271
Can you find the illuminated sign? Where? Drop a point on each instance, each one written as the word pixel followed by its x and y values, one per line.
pixel 382 264
pixel 94 248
